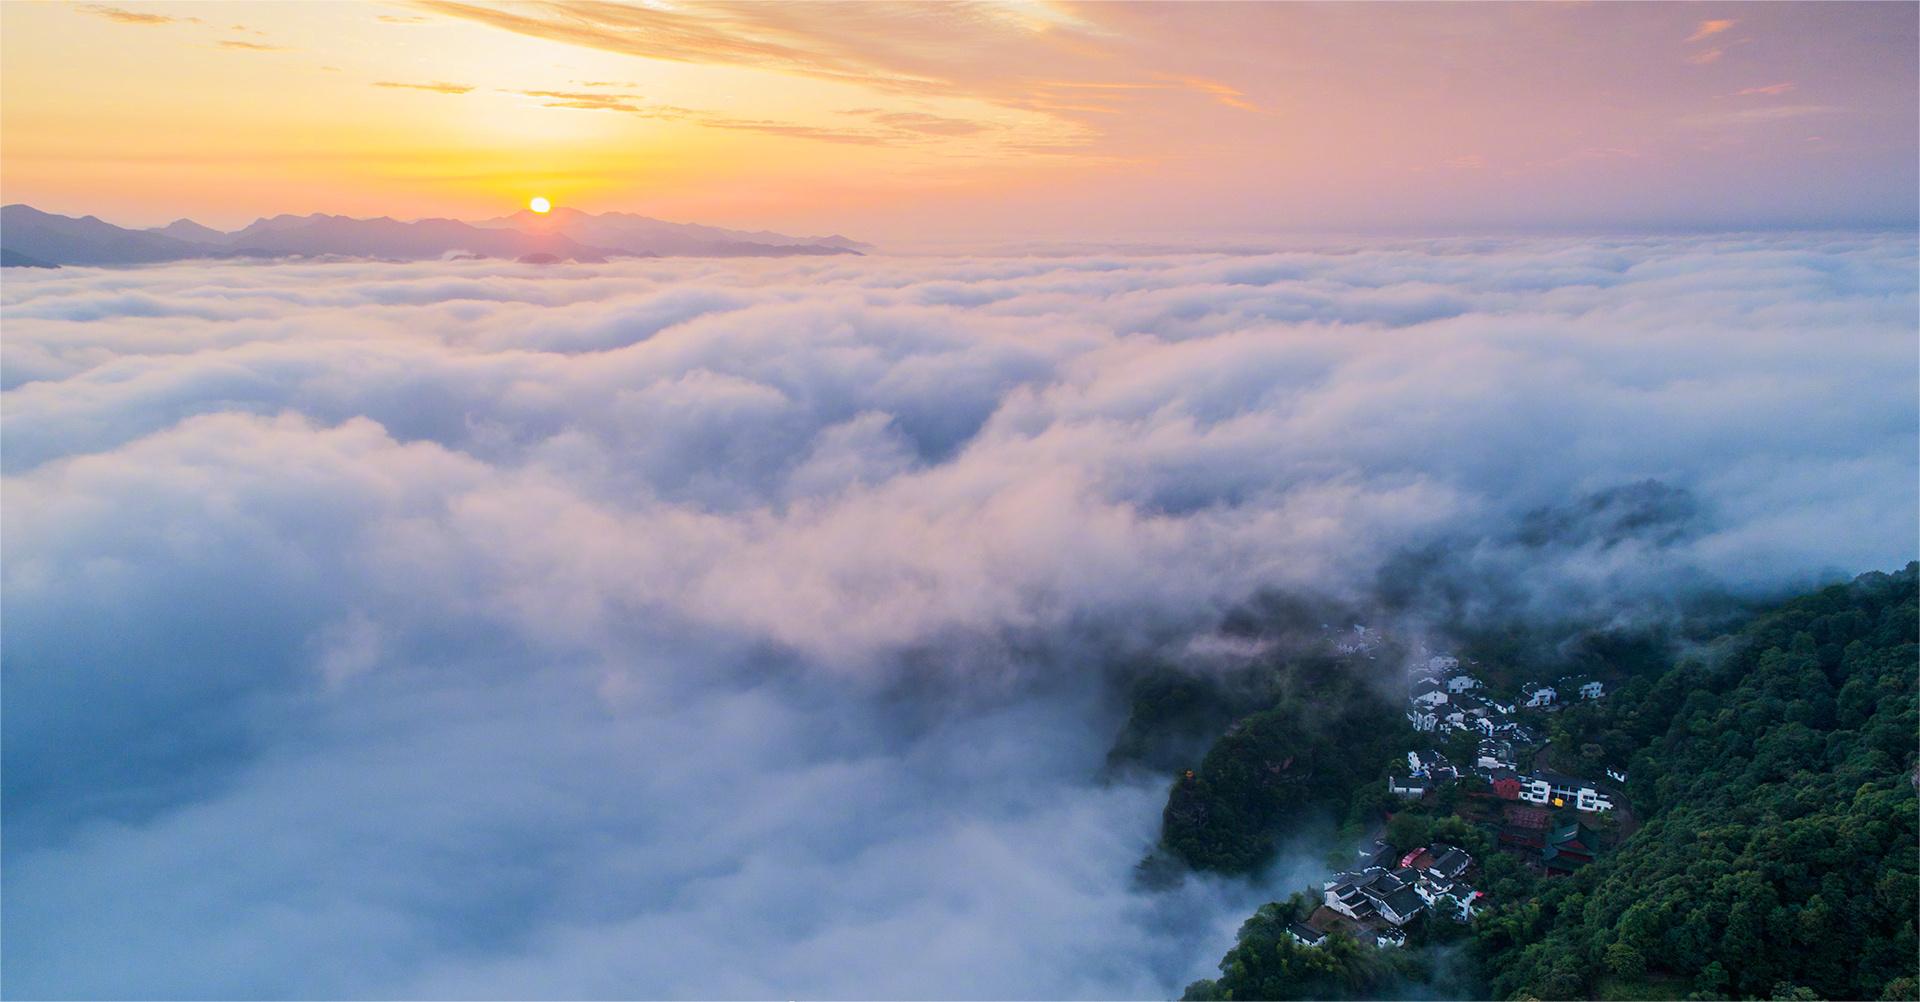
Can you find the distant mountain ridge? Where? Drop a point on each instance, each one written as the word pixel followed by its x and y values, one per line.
pixel 625 229
pixel 31 237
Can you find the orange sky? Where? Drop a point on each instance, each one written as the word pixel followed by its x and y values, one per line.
pixel 923 121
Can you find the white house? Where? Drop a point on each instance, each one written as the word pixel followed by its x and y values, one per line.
pixel 1552 788
pixel 1401 907
pixel 1592 690
pixel 1462 683
pixel 1457 904
pixel 1423 720
pixel 1538 695
pixel 1449 861
pixel 1407 786
pixel 1354 894
pixel 1617 775
pixel 1429 694
pixel 1494 755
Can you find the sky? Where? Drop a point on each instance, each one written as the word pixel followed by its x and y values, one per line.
pixel 922 123
pixel 708 628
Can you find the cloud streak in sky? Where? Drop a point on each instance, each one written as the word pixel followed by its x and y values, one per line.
pixel 703 628
pixel 437 86
pixel 1708 29
pixel 124 16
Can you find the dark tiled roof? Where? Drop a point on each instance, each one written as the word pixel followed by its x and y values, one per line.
pixel 1573 831
pixel 1405 901
pixel 1452 862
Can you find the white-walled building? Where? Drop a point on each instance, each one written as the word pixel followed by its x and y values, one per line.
pixel 1557 790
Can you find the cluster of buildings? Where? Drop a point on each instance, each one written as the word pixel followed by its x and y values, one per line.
pixel 1377 901
pixel 1430 770
pixel 1442 698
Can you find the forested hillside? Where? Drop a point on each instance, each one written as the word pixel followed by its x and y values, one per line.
pixel 1777 778
pixel 1774 774
pixel 1266 963
pixel 1325 736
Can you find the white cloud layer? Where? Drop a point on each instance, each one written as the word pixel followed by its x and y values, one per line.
pixel 738 629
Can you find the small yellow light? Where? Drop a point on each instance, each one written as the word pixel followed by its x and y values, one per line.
pixel 540 204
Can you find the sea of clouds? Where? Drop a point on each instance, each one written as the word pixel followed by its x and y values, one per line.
pixel 747 628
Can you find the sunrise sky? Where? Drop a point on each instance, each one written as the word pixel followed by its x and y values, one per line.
pixel 926 122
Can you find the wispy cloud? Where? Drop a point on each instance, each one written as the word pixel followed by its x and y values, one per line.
pixel 1708 29
pixel 891 127
pixel 1759 116
pixel 233 43
pixel 124 16
pixel 585 100
pixel 753 36
pixel 922 122
pixel 977 52
pixel 1590 153
pixel 1226 94
pixel 437 86
pixel 1770 90
pixel 815 132
pixel 401 19
pixel 1708 56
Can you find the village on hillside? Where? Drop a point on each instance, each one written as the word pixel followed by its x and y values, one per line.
pixel 1541 816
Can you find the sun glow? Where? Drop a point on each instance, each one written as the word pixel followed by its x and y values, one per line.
pixel 539 204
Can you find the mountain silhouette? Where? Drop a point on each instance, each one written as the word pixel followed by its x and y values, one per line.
pixel 31 236
pixel 633 233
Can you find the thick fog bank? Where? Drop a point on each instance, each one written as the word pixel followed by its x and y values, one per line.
pixel 732 629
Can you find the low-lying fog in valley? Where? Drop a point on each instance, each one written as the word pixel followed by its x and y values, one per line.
pixel 753 628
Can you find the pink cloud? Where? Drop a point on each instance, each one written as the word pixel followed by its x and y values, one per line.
pixel 1708 29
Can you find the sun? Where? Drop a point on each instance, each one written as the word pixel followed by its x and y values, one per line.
pixel 540 204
